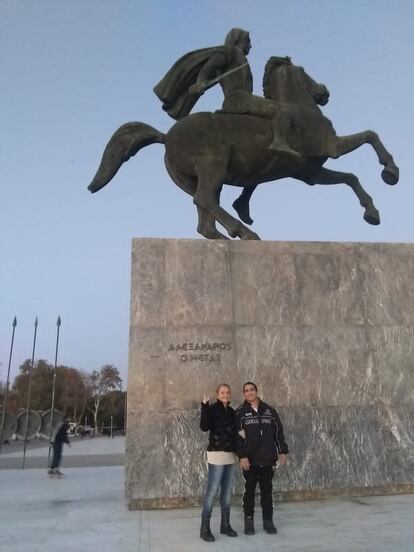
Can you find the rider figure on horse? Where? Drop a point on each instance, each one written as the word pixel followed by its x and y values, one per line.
pixel 197 71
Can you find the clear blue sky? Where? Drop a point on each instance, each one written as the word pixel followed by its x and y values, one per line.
pixel 73 72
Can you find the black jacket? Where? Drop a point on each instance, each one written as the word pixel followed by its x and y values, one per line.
pixel 263 434
pixel 61 435
pixel 220 421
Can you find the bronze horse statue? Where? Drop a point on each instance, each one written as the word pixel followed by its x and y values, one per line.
pixel 205 150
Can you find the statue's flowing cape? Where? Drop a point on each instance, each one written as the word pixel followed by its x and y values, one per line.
pixel 172 90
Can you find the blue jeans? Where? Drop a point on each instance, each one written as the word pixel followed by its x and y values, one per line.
pixel 218 476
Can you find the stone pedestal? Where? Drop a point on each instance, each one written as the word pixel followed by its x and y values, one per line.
pixel 324 329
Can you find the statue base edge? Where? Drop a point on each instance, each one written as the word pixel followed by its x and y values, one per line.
pixel 289 496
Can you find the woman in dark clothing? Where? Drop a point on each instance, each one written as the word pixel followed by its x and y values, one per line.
pixel 219 419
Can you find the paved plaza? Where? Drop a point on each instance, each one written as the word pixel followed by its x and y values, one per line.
pixel 86 511
pixel 99 451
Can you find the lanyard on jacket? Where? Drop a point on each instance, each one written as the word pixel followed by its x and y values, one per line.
pixel 259 419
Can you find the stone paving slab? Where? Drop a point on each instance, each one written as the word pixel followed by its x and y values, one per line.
pixel 85 510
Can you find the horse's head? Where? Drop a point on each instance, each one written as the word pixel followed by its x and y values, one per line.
pixel 284 81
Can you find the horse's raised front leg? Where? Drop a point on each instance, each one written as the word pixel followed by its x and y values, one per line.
pixel 210 182
pixel 345 144
pixel 326 176
pixel 242 204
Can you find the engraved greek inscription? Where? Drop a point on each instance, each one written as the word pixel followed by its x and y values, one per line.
pixel 204 351
pixel 181 347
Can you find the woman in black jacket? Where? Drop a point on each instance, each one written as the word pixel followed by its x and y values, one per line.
pixel 219 419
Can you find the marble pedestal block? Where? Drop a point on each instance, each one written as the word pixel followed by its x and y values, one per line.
pixel 324 329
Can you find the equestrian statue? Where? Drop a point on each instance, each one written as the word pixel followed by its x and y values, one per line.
pixel 250 140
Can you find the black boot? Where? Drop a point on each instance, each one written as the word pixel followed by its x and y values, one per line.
pixel 248 525
pixel 269 527
pixel 205 532
pixel 225 527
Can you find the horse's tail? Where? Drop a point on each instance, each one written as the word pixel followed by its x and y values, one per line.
pixel 124 143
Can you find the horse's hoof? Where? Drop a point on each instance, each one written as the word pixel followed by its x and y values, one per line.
pixel 251 236
pixel 218 236
pixel 246 219
pixel 212 234
pixel 391 175
pixel 242 209
pixel 372 218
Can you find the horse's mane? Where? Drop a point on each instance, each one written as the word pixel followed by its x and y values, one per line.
pixel 273 63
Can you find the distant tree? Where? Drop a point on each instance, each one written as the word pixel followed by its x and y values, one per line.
pixel 20 384
pixel 12 407
pixel 11 401
pixel 71 391
pixel 2 393
pixel 99 383
pixel 83 398
pixel 41 395
pixel 113 404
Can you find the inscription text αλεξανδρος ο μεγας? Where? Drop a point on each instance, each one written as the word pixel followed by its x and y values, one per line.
pixel 200 346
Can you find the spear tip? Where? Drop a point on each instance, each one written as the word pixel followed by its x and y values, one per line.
pixel 36 321
pixel 59 321
pixel 14 322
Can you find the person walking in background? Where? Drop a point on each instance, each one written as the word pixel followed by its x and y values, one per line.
pixel 260 445
pixel 219 419
pixel 57 442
